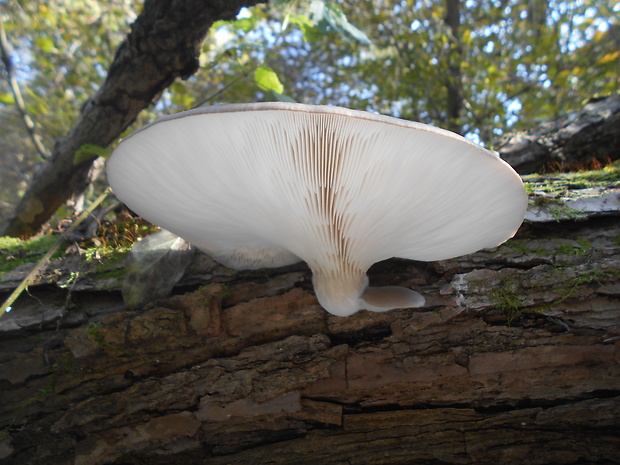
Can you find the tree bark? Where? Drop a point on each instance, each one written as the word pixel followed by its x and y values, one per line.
pixel 513 360
pixel 163 45
pixel 583 138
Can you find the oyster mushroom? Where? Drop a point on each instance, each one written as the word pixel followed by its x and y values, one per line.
pixel 270 184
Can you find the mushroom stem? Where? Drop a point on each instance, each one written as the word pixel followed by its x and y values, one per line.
pixel 345 293
pixel 382 299
pixel 339 292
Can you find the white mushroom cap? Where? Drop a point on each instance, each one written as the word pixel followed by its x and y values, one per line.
pixel 270 184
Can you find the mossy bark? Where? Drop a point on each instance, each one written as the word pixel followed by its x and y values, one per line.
pixel 513 360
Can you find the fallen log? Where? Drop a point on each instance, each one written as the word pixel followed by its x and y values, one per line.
pixel 513 360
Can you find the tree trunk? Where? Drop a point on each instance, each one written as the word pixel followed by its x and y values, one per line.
pixel 454 79
pixel 581 139
pixel 513 360
pixel 163 45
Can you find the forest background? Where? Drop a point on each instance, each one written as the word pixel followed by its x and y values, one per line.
pixel 482 68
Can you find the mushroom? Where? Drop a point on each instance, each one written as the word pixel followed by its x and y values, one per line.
pixel 271 184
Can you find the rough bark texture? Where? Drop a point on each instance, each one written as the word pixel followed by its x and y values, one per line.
pixel 579 139
pixel 163 45
pixel 514 360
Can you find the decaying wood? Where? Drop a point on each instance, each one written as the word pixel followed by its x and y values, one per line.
pixel 580 139
pixel 514 360
pixel 163 45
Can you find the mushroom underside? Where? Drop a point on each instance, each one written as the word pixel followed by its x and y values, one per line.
pixel 251 258
pixel 269 185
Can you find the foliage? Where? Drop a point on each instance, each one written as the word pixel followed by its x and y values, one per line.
pixel 90 151
pixel 520 62
pixel 61 50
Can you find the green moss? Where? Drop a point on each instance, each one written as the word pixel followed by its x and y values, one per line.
pixel 216 290
pixel 608 174
pixel 546 202
pixel 507 301
pixel 47 389
pixel 225 292
pixel 530 187
pixel 570 249
pixel 106 260
pixel 595 276
pixel 40 395
pixel 564 212
pixel 15 252
pixel 520 246
pixel 559 184
pixel 556 208
pixel 96 333
pixel 505 298
pixel 585 279
pixel 63 364
pixel 564 247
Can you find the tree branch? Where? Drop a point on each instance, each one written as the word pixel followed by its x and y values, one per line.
pixel 5 51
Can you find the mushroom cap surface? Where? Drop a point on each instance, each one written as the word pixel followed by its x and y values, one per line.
pixel 270 184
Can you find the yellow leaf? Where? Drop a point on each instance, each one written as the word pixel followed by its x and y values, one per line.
pixel 613 56
pixel 7 99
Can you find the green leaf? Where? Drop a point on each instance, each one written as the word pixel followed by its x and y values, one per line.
pixel 89 151
pixel 7 99
pixel 242 24
pixel 267 79
pixel 180 96
pixel 339 21
pixel 310 32
pixel 326 15
pixel 219 23
pixel 46 45
pixel 245 24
